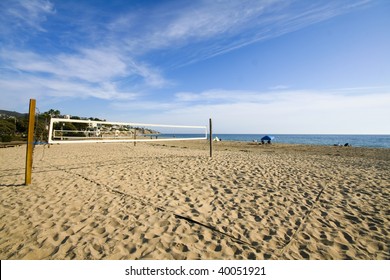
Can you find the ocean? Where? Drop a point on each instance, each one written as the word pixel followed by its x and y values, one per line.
pixel 372 141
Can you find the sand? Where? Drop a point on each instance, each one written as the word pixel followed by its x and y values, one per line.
pixel 172 201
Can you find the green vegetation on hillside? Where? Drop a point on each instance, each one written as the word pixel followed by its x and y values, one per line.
pixel 14 126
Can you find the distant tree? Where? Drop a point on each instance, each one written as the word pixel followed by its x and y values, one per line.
pixel 81 126
pixel 96 119
pixel 7 127
pixel 7 130
pixel 53 113
pixel 64 126
pixel 6 138
pixel 41 131
pixel 21 125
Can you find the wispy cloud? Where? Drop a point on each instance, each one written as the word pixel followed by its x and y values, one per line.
pixel 25 14
pixel 223 96
pixel 208 19
pixel 16 93
pixel 279 87
pixel 217 27
pixel 299 111
pixel 91 65
pixel 88 73
pixel 80 51
pixel 204 29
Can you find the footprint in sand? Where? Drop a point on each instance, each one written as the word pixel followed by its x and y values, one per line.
pixel 343 246
pixel 304 254
pixel 348 237
pixel 306 236
pixel 267 237
pixel 101 230
pixel 55 237
pixel 93 225
pixel 354 219
pixel 64 240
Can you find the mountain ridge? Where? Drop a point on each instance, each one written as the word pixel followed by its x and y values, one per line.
pixel 12 113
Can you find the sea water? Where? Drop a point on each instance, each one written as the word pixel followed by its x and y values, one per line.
pixel 373 141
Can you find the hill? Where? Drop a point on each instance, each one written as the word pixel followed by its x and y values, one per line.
pixel 11 114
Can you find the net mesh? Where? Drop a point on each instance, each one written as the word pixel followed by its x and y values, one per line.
pixel 84 131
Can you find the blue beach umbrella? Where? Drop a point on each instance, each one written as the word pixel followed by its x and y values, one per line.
pixel 267 138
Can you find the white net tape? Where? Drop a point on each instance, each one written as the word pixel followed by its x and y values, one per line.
pixel 90 131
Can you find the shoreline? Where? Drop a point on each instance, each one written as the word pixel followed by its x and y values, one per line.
pixel 170 200
pixel 370 152
pixel 19 143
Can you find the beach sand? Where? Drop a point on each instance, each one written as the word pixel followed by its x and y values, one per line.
pixel 172 201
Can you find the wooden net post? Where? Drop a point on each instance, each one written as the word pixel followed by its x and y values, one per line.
pixel 30 139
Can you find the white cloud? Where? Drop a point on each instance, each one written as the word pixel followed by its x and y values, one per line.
pixel 146 106
pixel 213 19
pixel 26 14
pixel 91 65
pixel 116 53
pixel 225 96
pixel 304 111
pixel 279 87
pixel 211 28
pixel 15 94
pixel 203 29
pixel 94 73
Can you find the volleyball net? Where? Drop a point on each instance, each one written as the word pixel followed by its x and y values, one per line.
pixel 93 131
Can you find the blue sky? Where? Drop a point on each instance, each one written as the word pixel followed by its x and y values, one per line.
pixel 252 66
